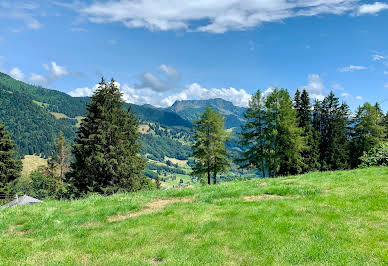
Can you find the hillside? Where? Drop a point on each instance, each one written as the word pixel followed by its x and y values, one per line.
pixel 190 109
pixel 327 218
pixel 34 116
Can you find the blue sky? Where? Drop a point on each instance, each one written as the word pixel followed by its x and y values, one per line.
pixel 167 50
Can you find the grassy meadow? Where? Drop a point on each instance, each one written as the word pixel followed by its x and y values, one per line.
pixel 319 218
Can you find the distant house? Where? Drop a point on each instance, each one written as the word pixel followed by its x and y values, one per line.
pixel 24 200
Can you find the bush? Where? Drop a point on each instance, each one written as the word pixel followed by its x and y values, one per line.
pixel 378 156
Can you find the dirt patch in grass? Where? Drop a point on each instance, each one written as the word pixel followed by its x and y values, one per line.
pixel 289 180
pixel 263 184
pixel 149 208
pixel 265 197
pixel 12 231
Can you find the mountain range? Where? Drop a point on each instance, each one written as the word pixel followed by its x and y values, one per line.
pixel 34 116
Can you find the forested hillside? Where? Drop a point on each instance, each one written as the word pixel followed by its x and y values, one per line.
pixel 32 128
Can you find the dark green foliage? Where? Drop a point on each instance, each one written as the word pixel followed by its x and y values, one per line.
pixel 283 135
pixel 54 101
pixel 253 136
pixel 106 150
pixel 10 167
pixel 167 118
pixel 159 147
pixel 305 118
pixel 209 150
pixel 32 128
pixel 377 156
pixel 368 131
pixel 332 122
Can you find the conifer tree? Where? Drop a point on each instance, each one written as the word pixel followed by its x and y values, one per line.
pixel 283 135
pixel 209 152
pixel 368 131
pixel 334 133
pixel 305 118
pixel 10 167
pixel 253 135
pixel 107 151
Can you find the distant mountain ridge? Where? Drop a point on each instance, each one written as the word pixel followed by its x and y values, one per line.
pixel 190 109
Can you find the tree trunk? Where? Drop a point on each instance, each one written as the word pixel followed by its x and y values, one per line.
pixel 215 177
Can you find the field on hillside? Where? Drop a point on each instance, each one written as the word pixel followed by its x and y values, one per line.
pixel 319 218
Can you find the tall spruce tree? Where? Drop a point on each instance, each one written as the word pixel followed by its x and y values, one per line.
pixel 209 152
pixel 10 166
pixel 305 117
pixel 334 133
pixel 253 135
pixel 368 131
pixel 107 151
pixel 283 135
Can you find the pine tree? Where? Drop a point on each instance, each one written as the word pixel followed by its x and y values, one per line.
pixel 305 118
pixel 368 131
pixel 283 135
pixel 253 135
pixel 10 167
pixel 209 150
pixel 334 133
pixel 107 151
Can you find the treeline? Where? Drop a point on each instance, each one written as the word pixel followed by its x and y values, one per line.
pixel 284 136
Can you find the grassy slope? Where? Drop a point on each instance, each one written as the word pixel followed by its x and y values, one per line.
pixel 327 218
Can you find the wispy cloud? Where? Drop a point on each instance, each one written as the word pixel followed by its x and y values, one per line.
pixel 215 16
pixel 16 73
pixel 21 10
pixel 378 57
pixel 315 87
pixel 352 68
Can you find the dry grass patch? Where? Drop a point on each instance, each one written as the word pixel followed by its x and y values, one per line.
pixel 265 197
pixel 289 180
pixel 151 207
pixel 32 163
pixel 176 161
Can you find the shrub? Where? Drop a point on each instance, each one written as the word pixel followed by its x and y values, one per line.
pixel 377 156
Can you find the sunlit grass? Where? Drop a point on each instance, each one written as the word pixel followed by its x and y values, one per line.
pixel 318 218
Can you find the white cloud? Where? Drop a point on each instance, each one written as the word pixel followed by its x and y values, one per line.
pixel 37 79
pixel 195 91
pixel 315 87
pixel 352 68
pixel 359 98
pixel 55 71
pixel 372 8
pixel 18 10
pixel 386 85
pixel 216 16
pixel 378 57
pixel 345 95
pixel 16 73
pixel 159 84
pixel 83 92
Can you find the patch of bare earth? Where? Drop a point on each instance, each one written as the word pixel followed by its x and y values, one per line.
pixel 151 207
pixel 265 197
pixel 289 180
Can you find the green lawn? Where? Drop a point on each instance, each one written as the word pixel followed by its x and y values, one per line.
pixel 319 218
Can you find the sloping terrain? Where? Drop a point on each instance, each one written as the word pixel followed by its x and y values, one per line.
pixel 331 218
